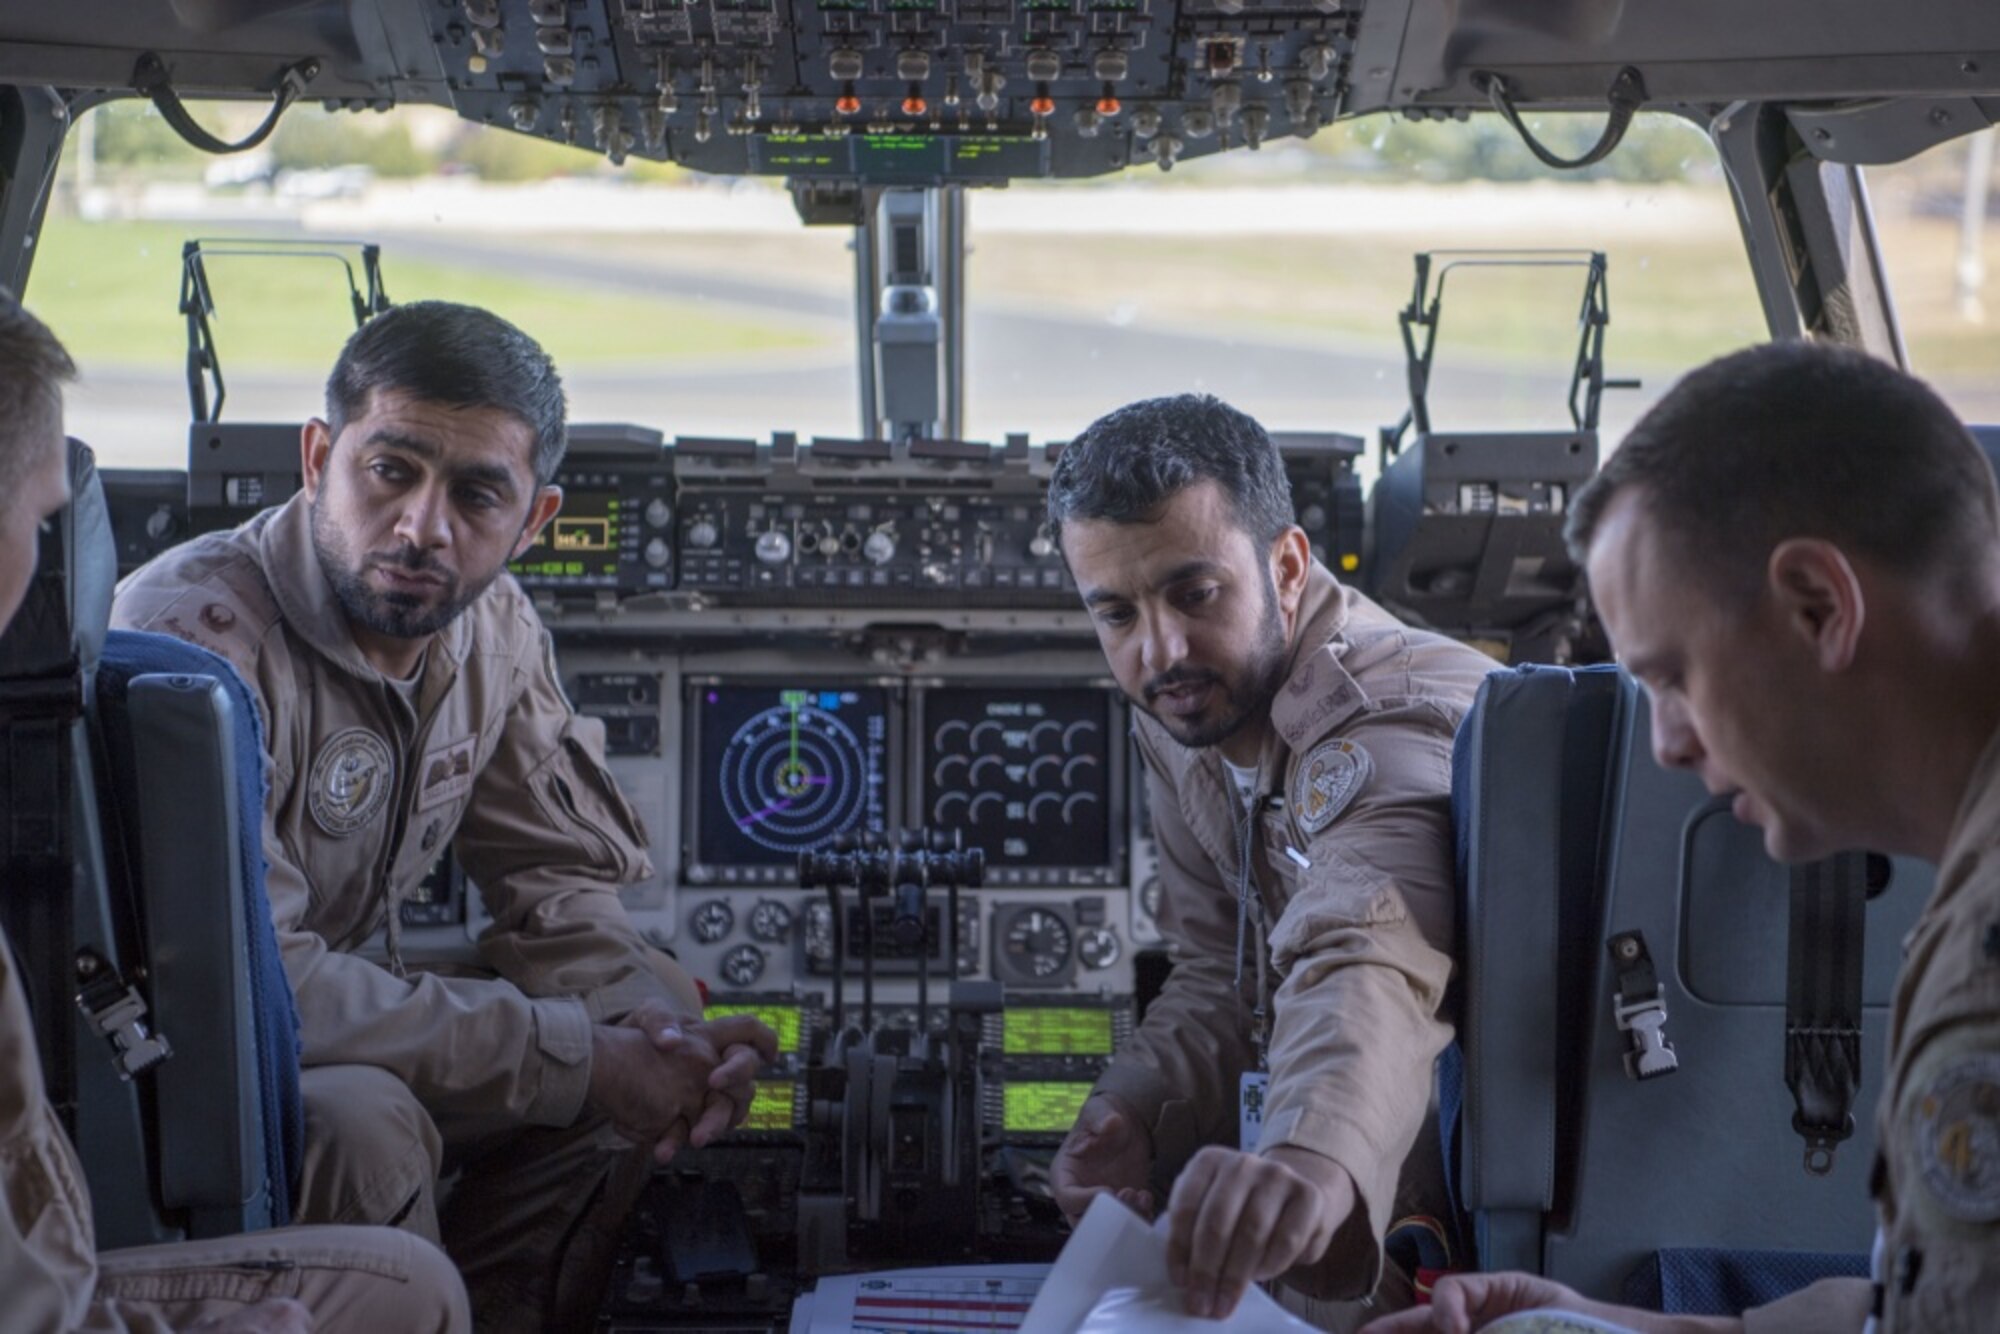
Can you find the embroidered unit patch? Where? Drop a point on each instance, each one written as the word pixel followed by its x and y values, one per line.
pixel 350 781
pixel 447 774
pixel 1956 1132
pixel 1327 781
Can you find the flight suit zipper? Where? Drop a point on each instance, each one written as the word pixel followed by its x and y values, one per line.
pixel 408 776
pixel 1250 933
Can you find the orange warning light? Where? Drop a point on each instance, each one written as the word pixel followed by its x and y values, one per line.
pixel 915 106
pixel 1043 106
pixel 847 104
pixel 1109 106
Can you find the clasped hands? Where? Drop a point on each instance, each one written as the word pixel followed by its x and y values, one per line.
pixel 673 1081
pixel 1234 1218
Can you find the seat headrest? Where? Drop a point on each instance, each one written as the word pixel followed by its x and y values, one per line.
pixel 61 625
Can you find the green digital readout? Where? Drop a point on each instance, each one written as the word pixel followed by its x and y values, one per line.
pixel 1056 1031
pixel 795 153
pixel 783 1020
pixel 901 157
pixel 1041 1107
pixel 770 1106
pixel 581 542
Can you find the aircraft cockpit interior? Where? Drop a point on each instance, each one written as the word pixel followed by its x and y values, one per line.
pixel 833 284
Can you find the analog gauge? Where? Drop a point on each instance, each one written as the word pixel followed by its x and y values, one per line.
pixel 1149 897
pixel 711 921
pixel 1097 947
pixel 742 966
pixel 770 921
pixel 1038 943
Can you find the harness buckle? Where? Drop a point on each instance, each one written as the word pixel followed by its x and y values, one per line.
pixel 117 1013
pixel 1639 1007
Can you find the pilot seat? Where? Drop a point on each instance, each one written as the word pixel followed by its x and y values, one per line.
pixel 1639 980
pixel 131 772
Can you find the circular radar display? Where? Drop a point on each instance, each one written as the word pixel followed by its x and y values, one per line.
pixel 794 776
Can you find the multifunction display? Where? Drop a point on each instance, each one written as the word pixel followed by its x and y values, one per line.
pixel 582 543
pixel 782 770
pixel 1025 772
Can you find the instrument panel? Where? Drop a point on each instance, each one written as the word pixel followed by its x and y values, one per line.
pixel 901 92
pixel 737 773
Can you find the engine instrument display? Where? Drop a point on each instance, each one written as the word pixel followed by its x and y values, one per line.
pixel 1025 772
pixel 1042 1107
pixel 782 770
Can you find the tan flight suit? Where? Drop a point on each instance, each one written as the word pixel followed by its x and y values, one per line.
pixel 1351 953
pixel 353 1279
pixel 1937 1161
pixel 1937 1165
pixel 410 1075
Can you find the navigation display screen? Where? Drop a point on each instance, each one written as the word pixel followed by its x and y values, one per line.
pixel 782 770
pixel 580 543
pixel 1047 1107
pixel 1055 1031
pixel 1024 771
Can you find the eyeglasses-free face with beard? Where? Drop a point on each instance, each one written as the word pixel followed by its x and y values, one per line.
pixel 1189 613
pixel 416 509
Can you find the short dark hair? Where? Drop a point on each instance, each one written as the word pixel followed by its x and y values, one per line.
pixel 443 352
pixel 33 369
pixel 1128 463
pixel 1799 439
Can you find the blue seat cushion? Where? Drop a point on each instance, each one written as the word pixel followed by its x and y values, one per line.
pixel 131 654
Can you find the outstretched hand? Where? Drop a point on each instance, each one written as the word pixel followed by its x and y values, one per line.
pixel 1107 1151
pixel 1239 1218
pixel 1463 1303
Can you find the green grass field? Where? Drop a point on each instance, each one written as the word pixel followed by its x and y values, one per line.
pixel 1677 298
pixel 111 290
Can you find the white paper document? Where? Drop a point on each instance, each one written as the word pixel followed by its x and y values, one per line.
pixel 1112 1275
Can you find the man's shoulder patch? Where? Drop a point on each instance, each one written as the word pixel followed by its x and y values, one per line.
pixel 1327 781
pixel 1955 1131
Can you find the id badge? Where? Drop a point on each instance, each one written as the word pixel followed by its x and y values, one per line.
pixel 1250 1108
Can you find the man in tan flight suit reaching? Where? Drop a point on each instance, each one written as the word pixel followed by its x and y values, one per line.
pixel 1797 553
pixel 1297 742
pixel 411 705
pixel 287 1281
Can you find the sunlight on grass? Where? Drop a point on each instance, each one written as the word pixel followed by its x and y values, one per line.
pixel 111 290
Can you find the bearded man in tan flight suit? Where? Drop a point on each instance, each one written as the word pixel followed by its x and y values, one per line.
pixel 287 1281
pixel 1297 742
pixel 411 705
pixel 1797 553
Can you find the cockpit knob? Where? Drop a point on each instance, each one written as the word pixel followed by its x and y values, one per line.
pixel 773 547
